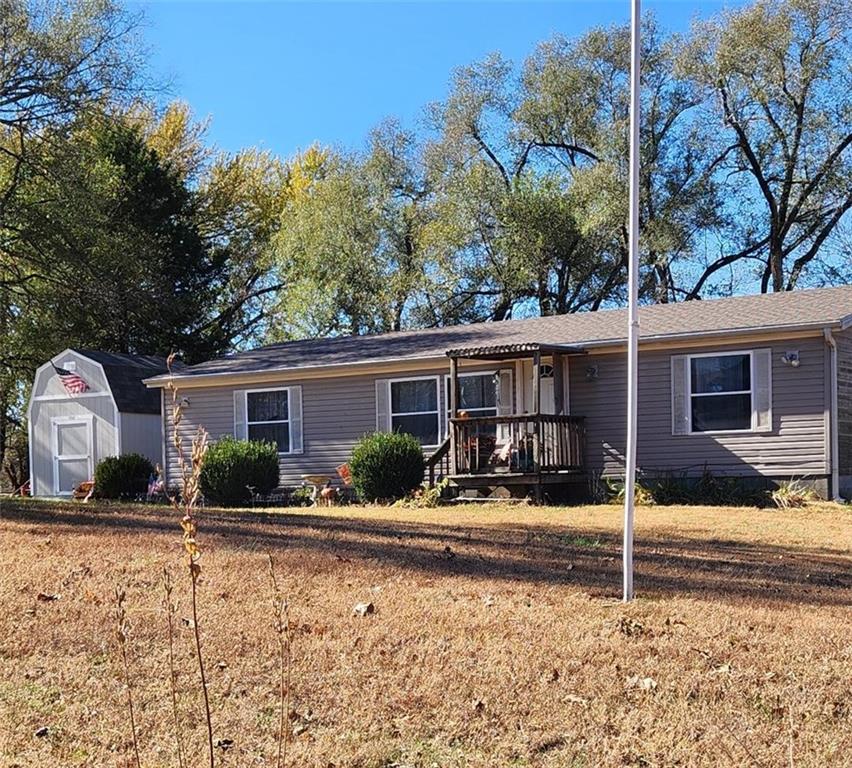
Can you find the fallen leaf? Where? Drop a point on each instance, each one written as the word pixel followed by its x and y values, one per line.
pixel 42 732
pixel 45 597
pixel 630 627
pixel 224 744
pixel 642 683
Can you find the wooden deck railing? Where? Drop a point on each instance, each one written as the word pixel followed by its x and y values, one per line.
pixel 438 464
pixel 518 443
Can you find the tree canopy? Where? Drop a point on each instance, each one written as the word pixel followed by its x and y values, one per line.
pixel 123 228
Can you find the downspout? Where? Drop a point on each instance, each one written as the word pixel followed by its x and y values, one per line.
pixel 833 424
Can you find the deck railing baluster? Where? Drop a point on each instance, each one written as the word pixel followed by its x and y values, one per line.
pixel 560 438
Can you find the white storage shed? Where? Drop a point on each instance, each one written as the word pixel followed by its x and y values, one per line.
pixel 86 405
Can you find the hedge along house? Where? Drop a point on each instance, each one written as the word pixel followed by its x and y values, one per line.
pixel 755 386
pixel 86 405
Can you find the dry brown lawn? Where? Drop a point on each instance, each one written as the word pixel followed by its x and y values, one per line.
pixel 497 637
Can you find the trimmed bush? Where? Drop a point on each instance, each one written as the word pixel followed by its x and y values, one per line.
pixel 232 466
pixel 386 466
pixel 121 477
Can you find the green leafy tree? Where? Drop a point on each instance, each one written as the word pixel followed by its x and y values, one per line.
pixel 349 251
pixel 60 60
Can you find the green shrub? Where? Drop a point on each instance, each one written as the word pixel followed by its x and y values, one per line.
pixel 386 466
pixel 126 476
pixel 233 467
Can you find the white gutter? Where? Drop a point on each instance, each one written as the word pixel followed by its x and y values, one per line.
pixel 833 423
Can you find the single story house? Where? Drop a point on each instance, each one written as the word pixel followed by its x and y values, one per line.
pixel 86 405
pixel 752 386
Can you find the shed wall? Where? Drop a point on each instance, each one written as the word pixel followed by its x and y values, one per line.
pixel 41 434
pixel 142 433
pixel 48 383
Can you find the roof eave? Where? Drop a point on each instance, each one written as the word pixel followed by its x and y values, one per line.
pixel 162 380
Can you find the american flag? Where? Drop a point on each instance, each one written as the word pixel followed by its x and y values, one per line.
pixel 74 383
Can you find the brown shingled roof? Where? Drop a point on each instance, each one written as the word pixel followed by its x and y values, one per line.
pixel 814 308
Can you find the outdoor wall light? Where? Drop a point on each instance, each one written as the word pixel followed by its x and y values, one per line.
pixel 791 358
pixel 591 373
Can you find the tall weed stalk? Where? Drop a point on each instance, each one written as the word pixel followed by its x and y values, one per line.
pixel 185 504
pixel 122 631
pixel 171 610
pixel 281 611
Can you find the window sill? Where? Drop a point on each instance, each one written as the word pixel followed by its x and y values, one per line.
pixel 750 430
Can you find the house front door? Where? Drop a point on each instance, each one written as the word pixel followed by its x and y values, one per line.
pixel 548 400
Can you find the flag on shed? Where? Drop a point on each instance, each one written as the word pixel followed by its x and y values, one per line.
pixel 74 383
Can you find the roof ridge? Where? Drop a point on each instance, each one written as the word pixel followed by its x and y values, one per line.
pixel 728 315
pixel 657 306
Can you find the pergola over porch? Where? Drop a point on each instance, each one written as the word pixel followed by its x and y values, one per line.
pixel 531 447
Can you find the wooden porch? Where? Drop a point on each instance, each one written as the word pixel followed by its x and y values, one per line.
pixel 518 449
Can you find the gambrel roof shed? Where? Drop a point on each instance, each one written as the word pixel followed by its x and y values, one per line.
pixel 105 410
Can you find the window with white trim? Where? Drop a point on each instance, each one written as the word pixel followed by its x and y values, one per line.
pixel 477 396
pixel 414 408
pixel 720 392
pixel 268 417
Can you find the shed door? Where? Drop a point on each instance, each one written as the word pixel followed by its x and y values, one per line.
pixel 72 454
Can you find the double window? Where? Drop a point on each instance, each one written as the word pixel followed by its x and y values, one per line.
pixel 268 417
pixel 720 392
pixel 414 408
pixel 413 404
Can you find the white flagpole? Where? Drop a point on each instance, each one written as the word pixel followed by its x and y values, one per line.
pixel 633 292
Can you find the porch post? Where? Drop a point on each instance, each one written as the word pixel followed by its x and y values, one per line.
pixel 558 384
pixel 454 391
pixel 537 409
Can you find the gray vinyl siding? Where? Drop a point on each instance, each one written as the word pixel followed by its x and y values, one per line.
pixel 796 445
pixel 336 413
pixel 141 433
pixel 844 400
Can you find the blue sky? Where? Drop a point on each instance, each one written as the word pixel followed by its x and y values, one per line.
pixel 282 75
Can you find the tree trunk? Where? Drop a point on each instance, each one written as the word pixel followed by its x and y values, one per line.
pixel 776 264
